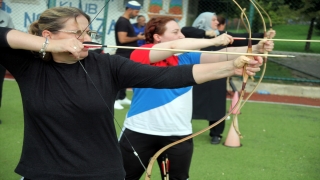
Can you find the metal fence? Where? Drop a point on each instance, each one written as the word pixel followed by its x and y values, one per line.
pixel 105 13
pixel 23 12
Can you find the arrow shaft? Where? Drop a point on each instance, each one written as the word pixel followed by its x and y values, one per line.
pixel 289 40
pixel 97 45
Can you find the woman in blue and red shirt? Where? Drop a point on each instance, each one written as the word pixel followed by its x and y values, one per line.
pixel 158 117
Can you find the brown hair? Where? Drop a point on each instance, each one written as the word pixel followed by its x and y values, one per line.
pixel 156 25
pixel 53 19
pixel 221 20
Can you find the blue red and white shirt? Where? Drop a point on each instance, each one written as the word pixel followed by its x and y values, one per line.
pixel 163 112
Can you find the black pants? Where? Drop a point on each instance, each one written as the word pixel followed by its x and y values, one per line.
pixel 218 129
pixel 146 146
pixel 2 74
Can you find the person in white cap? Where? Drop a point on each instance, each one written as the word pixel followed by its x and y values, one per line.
pixel 125 36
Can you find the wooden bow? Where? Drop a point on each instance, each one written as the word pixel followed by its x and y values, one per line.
pixel 244 75
pixel 265 58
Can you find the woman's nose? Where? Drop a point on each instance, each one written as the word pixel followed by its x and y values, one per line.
pixel 87 37
pixel 181 35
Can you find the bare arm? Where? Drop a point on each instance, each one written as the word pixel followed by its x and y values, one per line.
pixel 259 48
pixel 123 38
pixel 20 40
pixel 188 44
pixel 211 58
pixel 211 71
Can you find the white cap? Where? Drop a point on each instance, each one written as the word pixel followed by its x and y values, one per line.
pixel 133 5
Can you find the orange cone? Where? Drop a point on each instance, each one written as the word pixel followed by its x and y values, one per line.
pixel 233 139
pixel 234 101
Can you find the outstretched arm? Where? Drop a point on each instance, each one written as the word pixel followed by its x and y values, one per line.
pixel 188 44
pixel 207 72
pixel 258 48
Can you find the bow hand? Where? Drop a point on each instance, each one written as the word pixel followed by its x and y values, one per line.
pixel 271 34
pixel 263 46
pixel 222 40
pixel 246 65
pixel 210 33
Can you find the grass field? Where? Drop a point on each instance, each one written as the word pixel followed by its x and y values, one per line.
pixel 280 142
pixel 297 32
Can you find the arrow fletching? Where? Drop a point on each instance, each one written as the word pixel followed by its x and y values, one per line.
pixel 89 45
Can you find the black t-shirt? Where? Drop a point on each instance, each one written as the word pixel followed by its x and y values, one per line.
pixel 69 131
pixel 124 25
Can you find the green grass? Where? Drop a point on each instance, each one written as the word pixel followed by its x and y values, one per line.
pixel 295 32
pixel 298 32
pixel 280 142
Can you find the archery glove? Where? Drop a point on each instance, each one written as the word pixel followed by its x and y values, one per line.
pixel 222 40
pixel 241 61
pixel 210 33
pixel 271 34
pixel 265 45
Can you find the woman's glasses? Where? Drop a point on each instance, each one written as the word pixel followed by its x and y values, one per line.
pixel 80 33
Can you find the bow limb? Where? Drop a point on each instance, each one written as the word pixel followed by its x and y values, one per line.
pixel 265 12
pixel 265 52
pixel 159 152
pixel 247 27
pixel 244 74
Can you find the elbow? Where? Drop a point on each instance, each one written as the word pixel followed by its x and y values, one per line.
pixel 172 46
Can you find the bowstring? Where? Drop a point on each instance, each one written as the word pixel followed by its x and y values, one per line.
pixel 114 118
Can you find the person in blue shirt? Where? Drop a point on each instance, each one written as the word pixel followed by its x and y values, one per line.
pixel 139 28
